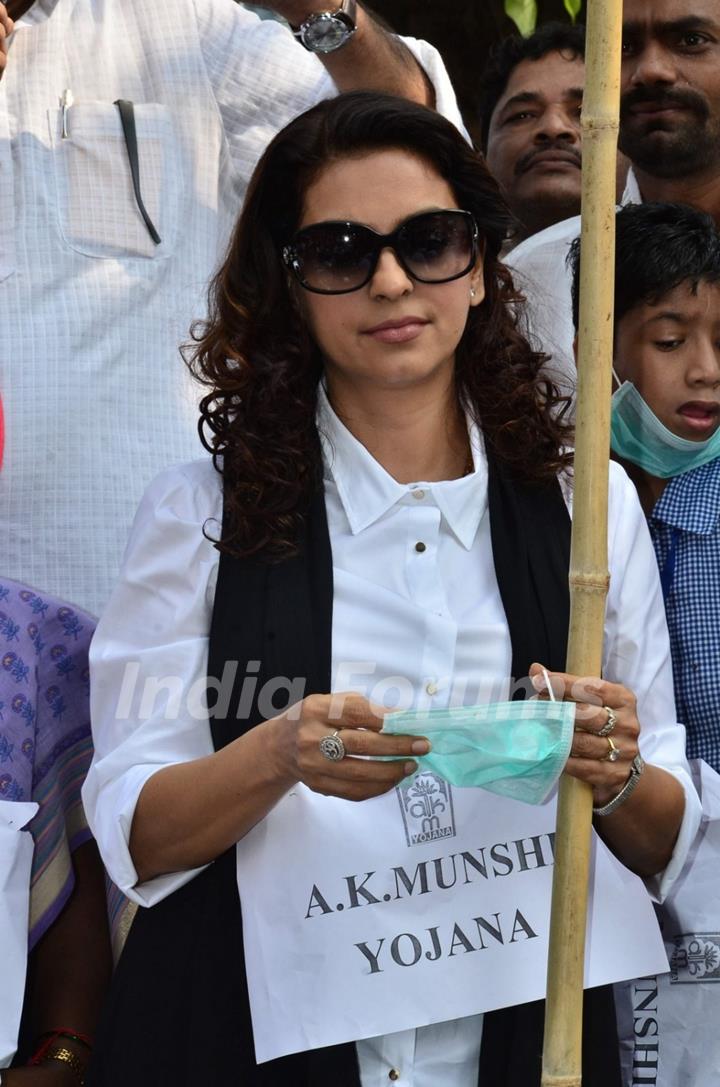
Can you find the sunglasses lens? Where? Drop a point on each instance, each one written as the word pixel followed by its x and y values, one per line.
pixel 333 257
pixel 438 246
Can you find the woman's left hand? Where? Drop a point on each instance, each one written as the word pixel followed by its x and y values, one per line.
pixel 589 756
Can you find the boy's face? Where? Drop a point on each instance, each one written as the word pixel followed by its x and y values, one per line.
pixel 670 351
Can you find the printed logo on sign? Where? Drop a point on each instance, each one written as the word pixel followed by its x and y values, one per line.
pixel 696 958
pixel 427 808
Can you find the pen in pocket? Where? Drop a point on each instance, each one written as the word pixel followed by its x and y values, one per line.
pixel 66 100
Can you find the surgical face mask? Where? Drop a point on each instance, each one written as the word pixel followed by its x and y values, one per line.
pixel 514 749
pixel 637 435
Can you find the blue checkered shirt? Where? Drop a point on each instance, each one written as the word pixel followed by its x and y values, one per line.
pixel 685 528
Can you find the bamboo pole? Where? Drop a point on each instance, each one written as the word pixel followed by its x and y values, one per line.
pixel 589 578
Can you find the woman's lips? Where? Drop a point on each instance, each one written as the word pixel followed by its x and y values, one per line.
pixel 402 331
pixel 700 416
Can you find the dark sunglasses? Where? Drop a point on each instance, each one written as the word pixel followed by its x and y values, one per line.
pixel 336 257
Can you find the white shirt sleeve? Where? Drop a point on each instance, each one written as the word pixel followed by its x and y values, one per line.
pixel 148 663
pixel 637 654
pixel 262 77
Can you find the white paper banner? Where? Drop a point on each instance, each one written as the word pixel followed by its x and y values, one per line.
pixel 16 853
pixel 427 904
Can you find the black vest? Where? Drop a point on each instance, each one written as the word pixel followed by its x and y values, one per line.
pixel 178 1012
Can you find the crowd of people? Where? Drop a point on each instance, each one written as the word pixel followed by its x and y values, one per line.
pixel 262 258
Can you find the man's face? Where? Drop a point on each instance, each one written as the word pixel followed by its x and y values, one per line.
pixel 670 107
pixel 534 139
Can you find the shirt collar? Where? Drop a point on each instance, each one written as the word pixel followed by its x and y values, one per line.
pixel 367 491
pixel 691 502
pixel 632 194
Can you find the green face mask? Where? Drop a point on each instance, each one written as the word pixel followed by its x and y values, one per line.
pixel 515 749
pixel 637 435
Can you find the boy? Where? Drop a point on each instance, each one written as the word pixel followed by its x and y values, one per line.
pixel 665 431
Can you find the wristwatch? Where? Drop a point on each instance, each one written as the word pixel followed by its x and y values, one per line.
pixel 636 768
pixel 326 31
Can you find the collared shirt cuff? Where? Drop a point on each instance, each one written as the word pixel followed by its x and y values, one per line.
pixel 113 838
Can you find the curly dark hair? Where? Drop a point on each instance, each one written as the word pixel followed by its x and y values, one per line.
pixel 262 366
pixel 505 56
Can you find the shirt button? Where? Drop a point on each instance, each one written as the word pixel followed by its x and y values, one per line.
pixel 431 688
pixel 393 1074
pixel 420 546
pixel 419 494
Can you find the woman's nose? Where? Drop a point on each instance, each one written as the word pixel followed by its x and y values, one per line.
pixel 390 280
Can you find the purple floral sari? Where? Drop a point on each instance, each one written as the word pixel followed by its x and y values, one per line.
pixel 45 740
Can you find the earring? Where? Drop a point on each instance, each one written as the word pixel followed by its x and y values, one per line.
pixel 472 292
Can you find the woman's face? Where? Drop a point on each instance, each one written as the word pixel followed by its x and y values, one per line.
pixel 394 332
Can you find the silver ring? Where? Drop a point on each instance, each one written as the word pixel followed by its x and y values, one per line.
pixel 613 754
pixel 610 723
pixel 332 747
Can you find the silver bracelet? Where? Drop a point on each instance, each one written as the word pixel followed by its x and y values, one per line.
pixel 636 768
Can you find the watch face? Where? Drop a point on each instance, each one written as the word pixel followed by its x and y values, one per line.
pixel 326 33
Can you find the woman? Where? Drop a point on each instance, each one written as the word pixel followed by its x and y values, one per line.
pixel 370 398
pixel 54 940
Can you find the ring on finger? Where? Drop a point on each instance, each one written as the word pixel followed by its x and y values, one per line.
pixel 613 753
pixel 610 723
pixel 332 747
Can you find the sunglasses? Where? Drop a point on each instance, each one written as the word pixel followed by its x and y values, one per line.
pixel 336 257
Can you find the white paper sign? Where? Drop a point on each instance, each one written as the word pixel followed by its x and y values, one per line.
pixel 16 853
pixel 427 904
pixel 668 1025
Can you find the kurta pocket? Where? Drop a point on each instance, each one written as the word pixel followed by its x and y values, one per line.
pixel 98 213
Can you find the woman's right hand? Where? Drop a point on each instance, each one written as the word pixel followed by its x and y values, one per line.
pixel 358 722
pixel 188 813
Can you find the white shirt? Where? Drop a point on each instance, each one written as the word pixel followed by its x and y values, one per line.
pixel 158 618
pixel 540 270
pixel 97 399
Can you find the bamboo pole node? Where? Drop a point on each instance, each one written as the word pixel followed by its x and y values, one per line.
pixel 598 124
pixel 591 583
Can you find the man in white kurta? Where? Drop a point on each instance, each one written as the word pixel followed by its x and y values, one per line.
pixel 93 310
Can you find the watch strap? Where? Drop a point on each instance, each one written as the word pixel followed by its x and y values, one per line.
pixel 636 768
